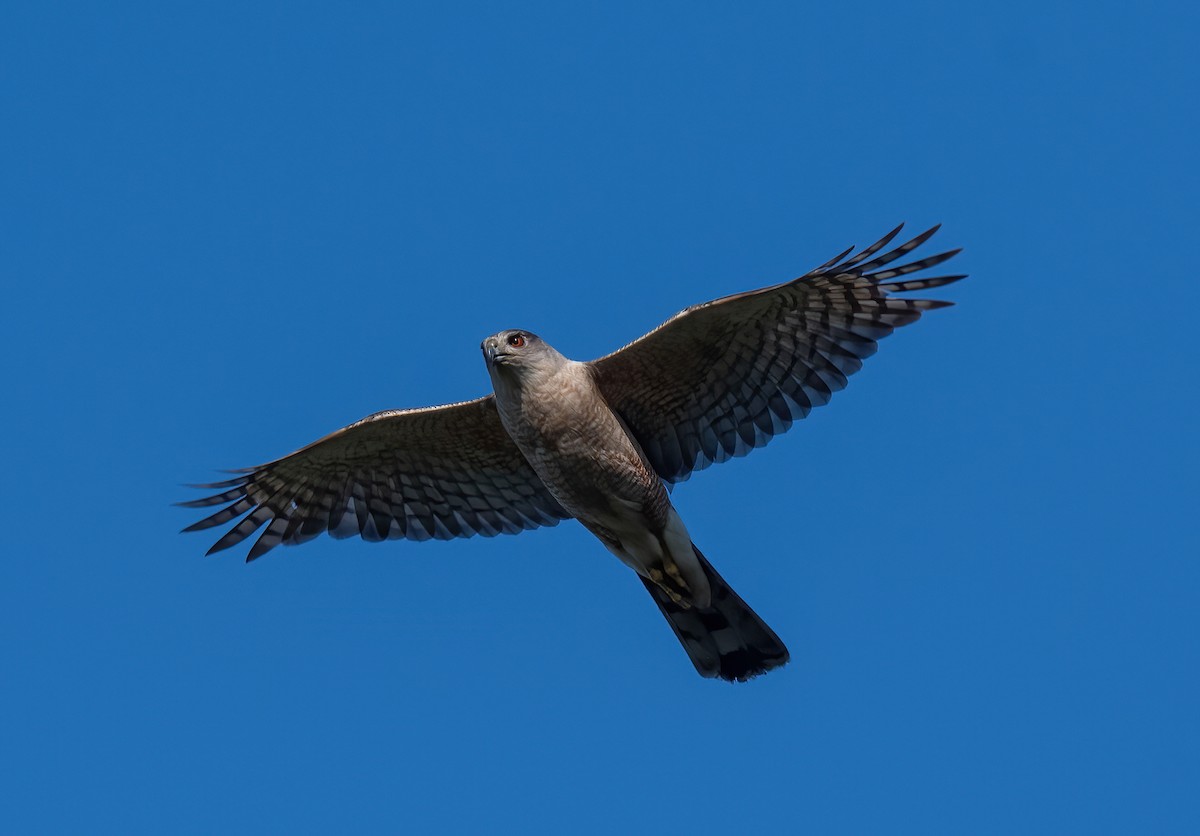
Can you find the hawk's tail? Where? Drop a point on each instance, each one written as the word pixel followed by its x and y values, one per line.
pixel 727 640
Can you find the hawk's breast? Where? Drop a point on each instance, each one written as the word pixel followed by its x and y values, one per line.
pixel 577 446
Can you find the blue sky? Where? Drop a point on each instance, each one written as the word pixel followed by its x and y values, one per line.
pixel 228 229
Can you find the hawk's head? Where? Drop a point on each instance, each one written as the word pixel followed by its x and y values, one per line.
pixel 519 352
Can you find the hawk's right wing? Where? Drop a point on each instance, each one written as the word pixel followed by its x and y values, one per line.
pixel 719 379
pixel 438 472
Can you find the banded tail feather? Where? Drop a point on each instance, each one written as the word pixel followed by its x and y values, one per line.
pixel 728 640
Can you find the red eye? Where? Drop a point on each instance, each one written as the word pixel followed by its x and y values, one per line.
pixel 516 341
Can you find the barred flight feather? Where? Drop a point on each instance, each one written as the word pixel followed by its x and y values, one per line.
pixel 722 378
pixel 434 473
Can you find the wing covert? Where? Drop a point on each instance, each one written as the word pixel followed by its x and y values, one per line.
pixel 438 472
pixel 724 377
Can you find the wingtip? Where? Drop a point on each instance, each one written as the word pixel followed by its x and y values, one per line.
pixel 833 262
pixel 215 486
pixel 190 503
pixel 923 237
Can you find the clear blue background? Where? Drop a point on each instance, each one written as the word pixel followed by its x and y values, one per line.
pixel 228 230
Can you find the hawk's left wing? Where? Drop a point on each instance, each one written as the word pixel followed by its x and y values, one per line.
pixel 440 472
pixel 721 378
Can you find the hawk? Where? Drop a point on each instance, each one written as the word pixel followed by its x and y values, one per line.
pixel 600 441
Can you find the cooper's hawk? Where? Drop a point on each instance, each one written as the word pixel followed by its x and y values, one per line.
pixel 599 441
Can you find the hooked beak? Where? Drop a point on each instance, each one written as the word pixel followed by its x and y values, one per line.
pixel 491 352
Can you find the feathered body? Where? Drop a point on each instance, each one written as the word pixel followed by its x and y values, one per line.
pixel 582 452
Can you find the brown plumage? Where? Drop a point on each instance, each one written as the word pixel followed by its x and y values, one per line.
pixel 599 441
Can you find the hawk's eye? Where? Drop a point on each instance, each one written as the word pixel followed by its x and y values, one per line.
pixel 516 341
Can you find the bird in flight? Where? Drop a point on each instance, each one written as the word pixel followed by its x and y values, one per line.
pixel 600 441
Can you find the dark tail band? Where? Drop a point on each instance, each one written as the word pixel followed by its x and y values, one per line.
pixel 728 640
